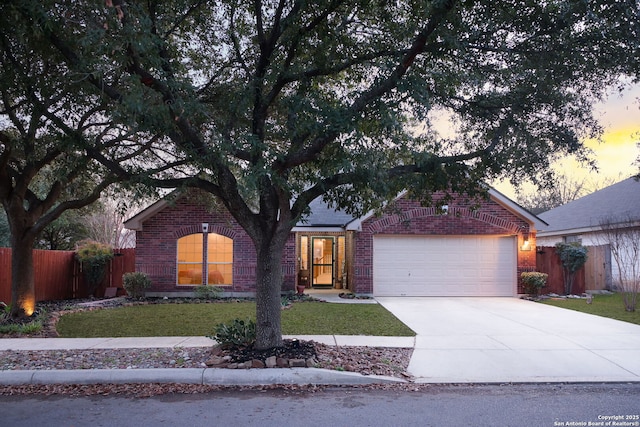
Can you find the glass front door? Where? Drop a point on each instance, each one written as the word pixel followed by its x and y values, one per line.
pixel 322 261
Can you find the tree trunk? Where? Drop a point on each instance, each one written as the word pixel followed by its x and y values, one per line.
pixel 630 299
pixel 23 298
pixel 268 292
pixel 568 281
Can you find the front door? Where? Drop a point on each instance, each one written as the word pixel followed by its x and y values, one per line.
pixel 322 261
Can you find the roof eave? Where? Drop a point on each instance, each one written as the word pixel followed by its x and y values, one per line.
pixel 568 231
pixel 318 229
pixel 135 222
pixel 533 220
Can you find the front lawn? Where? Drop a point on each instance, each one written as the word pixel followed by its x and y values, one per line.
pixel 303 318
pixel 603 305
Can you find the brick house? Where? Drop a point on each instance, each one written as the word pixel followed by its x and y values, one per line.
pixel 464 249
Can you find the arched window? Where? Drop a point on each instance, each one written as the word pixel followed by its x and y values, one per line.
pixel 190 250
pixel 193 250
pixel 219 260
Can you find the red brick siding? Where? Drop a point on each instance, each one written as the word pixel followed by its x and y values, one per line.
pixel 526 259
pixel 156 242
pixel 409 218
pixel 156 246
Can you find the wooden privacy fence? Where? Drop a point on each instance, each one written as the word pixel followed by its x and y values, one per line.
pixel 594 275
pixel 58 275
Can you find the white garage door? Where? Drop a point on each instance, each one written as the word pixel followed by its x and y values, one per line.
pixel 444 266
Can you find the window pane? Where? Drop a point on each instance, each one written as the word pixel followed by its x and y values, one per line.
pixel 190 248
pixel 190 274
pixel 304 253
pixel 219 260
pixel 190 260
pixel 341 259
pixel 220 249
pixel 220 274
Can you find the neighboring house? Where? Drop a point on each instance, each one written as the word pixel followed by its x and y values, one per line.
pixel 598 219
pixel 468 248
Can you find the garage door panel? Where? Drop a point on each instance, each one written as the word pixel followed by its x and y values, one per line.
pixel 444 266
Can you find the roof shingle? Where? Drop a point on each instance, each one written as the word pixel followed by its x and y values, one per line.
pixel 617 202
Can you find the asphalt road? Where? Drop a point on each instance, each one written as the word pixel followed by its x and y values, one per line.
pixel 450 405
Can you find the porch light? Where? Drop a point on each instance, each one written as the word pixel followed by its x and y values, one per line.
pixel 205 227
pixel 526 245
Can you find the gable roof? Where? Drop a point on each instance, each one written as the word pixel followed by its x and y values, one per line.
pixel 135 222
pixel 325 218
pixel 321 216
pixel 534 222
pixel 619 201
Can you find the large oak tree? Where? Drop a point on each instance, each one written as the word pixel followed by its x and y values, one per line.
pixel 277 102
pixel 44 171
pixel 48 123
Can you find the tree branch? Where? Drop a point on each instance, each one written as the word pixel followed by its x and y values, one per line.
pixel 409 58
pixel 300 157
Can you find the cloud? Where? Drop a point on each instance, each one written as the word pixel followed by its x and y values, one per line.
pixel 620 110
pixel 616 156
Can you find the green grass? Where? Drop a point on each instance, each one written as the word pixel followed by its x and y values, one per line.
pixel 307 318
pixel 342 319
pixel 603 305
pixel 29 326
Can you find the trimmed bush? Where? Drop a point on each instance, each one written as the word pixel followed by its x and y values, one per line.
pixel 94 257
pixel 135 284
pixel 208 292
pixel 533 281
pixel 573 256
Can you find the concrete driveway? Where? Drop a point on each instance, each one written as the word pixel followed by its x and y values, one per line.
pixel 478 340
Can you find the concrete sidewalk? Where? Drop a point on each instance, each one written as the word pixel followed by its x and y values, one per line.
pixel 171 342
pixel 206 376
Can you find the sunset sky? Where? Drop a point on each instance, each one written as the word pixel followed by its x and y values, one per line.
pixel 616 156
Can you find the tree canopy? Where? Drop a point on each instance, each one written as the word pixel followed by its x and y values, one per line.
pixel 271 104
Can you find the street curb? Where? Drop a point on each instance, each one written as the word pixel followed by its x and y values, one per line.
pixel 201 376
pixel 291 376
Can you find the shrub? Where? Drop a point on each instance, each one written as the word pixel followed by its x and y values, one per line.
pixel 135 284
pixel 238 333
pixel 533 281
pixel 208 292
pixel 27 326
pixel 285 302
pixel 31 327
pixel 5 312
pixel 94 257
pixel 573 257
